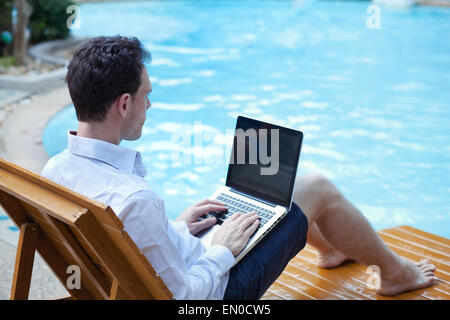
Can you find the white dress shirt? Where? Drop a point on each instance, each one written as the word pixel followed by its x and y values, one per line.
pixel 114 175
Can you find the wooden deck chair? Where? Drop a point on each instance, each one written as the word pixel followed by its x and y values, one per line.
pixel 71 231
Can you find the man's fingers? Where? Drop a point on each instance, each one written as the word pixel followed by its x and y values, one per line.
pixel 250 230
pixel 205 223
pixel 209 201
pixel 247 216
pixel 204 209
pixel 233 217
pixel 247 220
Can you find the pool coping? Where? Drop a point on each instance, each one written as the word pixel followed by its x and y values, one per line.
pixel 46 81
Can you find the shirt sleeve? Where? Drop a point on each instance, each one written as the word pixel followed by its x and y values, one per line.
pixel 187 269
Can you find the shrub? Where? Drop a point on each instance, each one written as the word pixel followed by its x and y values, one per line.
pixel 7 62
pixel 5 15
pixel 5 24
pixel 48 20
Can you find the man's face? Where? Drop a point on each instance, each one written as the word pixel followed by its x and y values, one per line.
pixel 139 105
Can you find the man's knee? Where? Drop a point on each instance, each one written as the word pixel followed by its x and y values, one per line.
pixel 313 181
pixel 318 192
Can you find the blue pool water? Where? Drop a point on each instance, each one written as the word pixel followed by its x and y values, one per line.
pixel 373 104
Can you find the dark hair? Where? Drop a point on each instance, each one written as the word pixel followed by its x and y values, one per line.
pixel 101 70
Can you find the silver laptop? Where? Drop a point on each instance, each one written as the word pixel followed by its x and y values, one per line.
pixel 261 176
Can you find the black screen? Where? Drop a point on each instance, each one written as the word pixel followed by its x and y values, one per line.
pixel 264 160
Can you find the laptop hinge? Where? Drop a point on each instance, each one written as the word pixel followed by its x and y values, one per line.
pixel 254 198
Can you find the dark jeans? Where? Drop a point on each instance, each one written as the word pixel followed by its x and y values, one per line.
pixel 255 273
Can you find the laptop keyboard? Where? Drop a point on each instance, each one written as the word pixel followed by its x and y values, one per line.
pixel 238 205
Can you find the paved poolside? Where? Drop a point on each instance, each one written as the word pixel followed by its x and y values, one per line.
pixel 44 284
pixel 8 96
pixel 21 132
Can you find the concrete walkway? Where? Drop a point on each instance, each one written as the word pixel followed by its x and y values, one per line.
pixel 44 284
pixel 21 132
pixel 8 96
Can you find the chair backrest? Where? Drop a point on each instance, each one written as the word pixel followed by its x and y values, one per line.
pixel 72 232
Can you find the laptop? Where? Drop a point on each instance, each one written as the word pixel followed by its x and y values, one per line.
pixel 261 176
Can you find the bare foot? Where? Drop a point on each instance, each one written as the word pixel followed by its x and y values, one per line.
pixel 330 259
pixel 415 275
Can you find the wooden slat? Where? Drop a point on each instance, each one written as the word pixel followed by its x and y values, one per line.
pixel 302 279
pixel 51 255
pixel 309 287
pixel 274 294
pixel 358 270
pixel 93 255
pixel 297 269
pixel 433 245
pixel 140 265
pixel 353 273
pixel 342 280
pixel 116 292
pixel 24 261
pixel 54 260
pixel 112 258
pixel 426 235
pixel 39 197
pixel 413 255
pixel 392 238
pixel 97 208
pixel 292 291
pixel 92 274
pixel 14 209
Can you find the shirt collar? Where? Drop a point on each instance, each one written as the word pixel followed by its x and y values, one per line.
pixel 123 159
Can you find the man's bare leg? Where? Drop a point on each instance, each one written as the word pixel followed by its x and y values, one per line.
pixel 328 256
pixel 343 227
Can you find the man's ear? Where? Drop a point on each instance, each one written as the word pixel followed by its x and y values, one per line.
pixel 123 104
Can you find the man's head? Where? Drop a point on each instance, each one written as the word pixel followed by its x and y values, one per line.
pixel 107 78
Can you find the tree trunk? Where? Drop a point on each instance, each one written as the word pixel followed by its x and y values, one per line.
pixel 24 10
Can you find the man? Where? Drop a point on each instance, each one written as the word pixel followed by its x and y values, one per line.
pixel 109 86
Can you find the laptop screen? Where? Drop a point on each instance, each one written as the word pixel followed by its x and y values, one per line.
pixel 264 160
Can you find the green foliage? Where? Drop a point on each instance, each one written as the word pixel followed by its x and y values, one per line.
pixel 5 25
pixel 5 15
pixel 48 20
pixel 8 61
pixel 6 4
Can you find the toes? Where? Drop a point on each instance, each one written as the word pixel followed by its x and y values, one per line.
pixel 426 267
pixel 432 280
pixel 422 262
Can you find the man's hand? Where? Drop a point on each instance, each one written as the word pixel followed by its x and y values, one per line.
pixel 236 230
pixel 192 213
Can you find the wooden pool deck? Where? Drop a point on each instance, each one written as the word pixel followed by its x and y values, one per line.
pixel 302 280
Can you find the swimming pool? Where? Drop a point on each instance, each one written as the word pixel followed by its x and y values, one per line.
pixel 373 104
